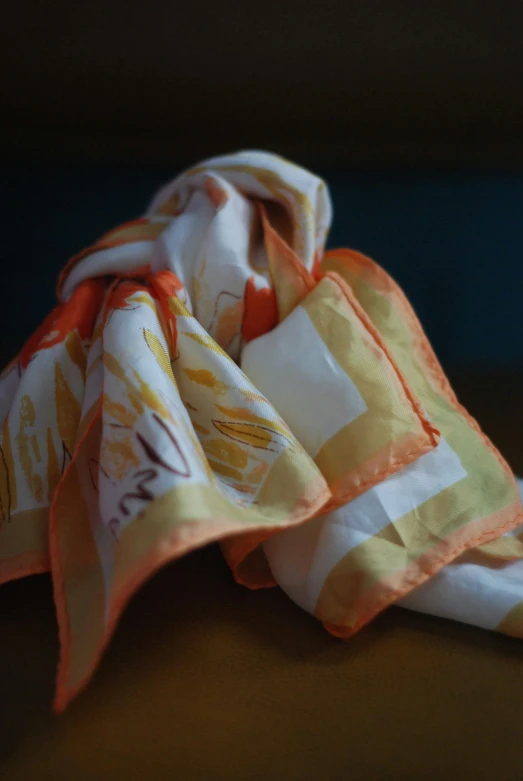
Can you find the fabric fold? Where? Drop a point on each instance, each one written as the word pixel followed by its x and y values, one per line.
pixel 210 374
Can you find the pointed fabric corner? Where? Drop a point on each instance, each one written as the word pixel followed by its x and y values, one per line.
pixel 210 374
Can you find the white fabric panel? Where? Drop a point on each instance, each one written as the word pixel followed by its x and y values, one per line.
pixel 124 337
pixel 41 381
pixel 300 562
pixel 320 548
pixel 471 593
pixel 115 260
pixel 263 175
pixel 306 384
pixel 208 247
pixel 403 491
pixel 9 381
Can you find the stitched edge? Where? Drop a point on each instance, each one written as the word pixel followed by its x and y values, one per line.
pixel 62 612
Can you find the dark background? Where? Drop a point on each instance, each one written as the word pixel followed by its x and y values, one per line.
pixel 413 111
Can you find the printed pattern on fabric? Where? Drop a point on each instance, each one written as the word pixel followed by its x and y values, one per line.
pixel 211 374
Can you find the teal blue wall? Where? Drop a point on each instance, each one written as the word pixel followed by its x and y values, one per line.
pixel 455 244
pixel 454 241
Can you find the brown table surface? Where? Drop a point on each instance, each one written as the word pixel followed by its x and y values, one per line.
pixel 206 680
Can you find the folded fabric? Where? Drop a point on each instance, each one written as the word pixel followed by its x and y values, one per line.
pixel 212 374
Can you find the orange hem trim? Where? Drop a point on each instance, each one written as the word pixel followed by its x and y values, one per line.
pixel 98 247
pixel 430 359
pixel 242 550
pixel 341 496
pixel 159 558
pixel 191 536
pixel 23 566
pixel 123 226
pixel 64 629
pixel 431 431
pixel 384 594
pixel 287 251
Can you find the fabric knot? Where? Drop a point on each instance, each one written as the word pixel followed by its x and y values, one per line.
pixel 243 233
